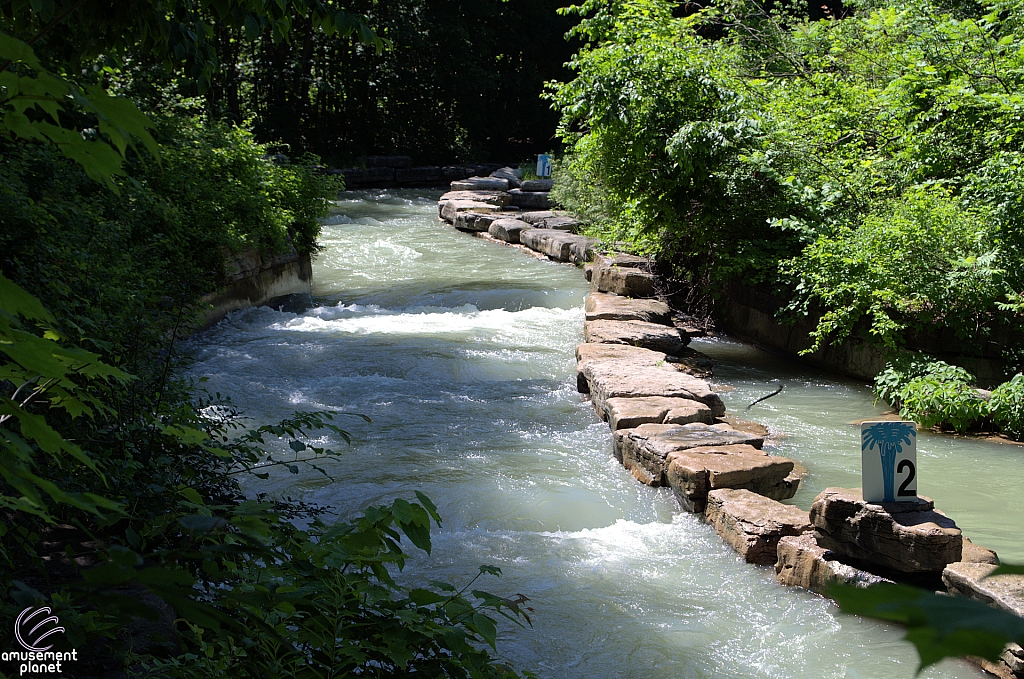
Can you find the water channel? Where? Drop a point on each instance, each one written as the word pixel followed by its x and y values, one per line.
pixel 461 352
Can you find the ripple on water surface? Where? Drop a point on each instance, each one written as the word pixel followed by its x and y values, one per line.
pixel 461 351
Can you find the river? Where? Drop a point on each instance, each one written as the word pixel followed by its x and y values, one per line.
pixel 461 352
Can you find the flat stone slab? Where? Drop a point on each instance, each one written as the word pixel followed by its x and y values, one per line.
pixel 637 334
pixel 627 413
pixel 753 524
pixel 507 230
pixel 971 580
pixel 555 244
pixel 473 221
pixel 498 198
pixel 910 537
pixel 623 275
pixel 560 223
pixel 648 446
pixel 512 175
pixel 601 306
pixel 633 375
pixel 538 184
pixel 803 563
pixel 481 184
pixel 536 216
pixel 693 473
pixel 450 209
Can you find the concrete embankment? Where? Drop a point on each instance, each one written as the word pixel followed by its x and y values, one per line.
pixel 670 429
pixel 252 279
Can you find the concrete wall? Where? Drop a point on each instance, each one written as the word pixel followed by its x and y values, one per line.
pixel 749 313
pixel 255 280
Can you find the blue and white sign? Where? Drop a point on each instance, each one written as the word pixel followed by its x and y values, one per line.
pixel 888 452
pixel 543 165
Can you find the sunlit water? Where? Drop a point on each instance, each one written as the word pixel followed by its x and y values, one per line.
pixel 461 352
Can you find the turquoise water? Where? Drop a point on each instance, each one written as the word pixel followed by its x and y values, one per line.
pixel 461 352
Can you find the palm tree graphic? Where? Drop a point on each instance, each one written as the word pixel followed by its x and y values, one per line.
pixel 889 438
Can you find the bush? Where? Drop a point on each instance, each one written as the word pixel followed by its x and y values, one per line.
pixel 931 393
pixel 1008 406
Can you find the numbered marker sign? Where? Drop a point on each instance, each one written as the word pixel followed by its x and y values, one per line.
pixel 543 165
pixel 888 452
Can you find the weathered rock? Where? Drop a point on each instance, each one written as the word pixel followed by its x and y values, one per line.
pixel 635 333
pixel 537 216
pixel 419 175
pixel 627 376
pixel 582 250
pixel 601 306
pixel 481 184
pixel 473 221
pixel 507 230
pixel 972 580
pixel 648 446
pixel 498 198
pixel 624 275
pixel 560 223
pixel 802 563
pixel 507 173
pixel 627 413
pixel 972 553
pixel 555 244
pixel 753 524
pixel 910 537
pixel 544 185
pixel 693 473
pixel 529 200
pixel 450 209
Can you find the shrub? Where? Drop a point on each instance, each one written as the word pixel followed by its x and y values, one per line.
pixel 931 392
pixel 1008 406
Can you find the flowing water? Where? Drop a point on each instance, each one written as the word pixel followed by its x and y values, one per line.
pixel 461 352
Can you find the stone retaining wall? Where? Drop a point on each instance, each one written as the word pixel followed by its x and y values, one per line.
pixel 397 172
pixel 669 428
pixel 256 280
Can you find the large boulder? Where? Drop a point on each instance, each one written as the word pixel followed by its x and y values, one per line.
pixel 803 563
pixel 636 333
pixel 648 447
pixel 507 173
pixel 450 209
pixel 628 413
pixel 487 184
pixel 633 374
pixel 558 245
pixel 601 306
pixel 560 223
pixel 693 473
pixel 529 200
pixel 974 580
pixel 507 230
pixel 624 275
pixel 1006 592
pixel 543 185
pixel 910 537
pixel 473 221
pixel 536 216
pixel 753 524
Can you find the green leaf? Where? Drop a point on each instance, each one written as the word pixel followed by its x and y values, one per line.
pixel 939 626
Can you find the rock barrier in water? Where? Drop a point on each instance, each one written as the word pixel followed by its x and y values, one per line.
pixel 669 428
